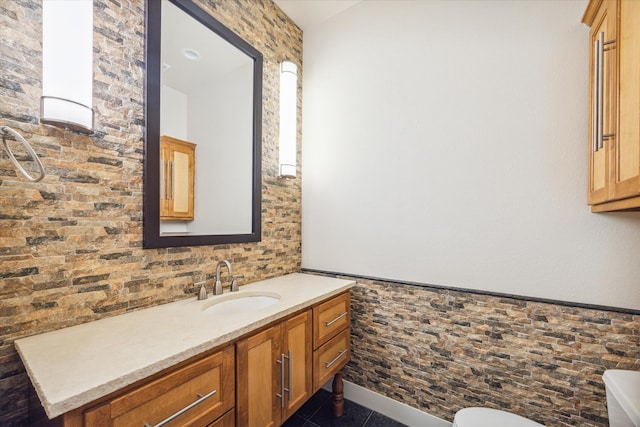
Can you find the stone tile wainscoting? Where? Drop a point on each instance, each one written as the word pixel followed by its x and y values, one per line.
pixel 440 349
pixel 71 245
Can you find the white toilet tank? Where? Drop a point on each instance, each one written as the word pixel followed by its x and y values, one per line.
pixel 623 397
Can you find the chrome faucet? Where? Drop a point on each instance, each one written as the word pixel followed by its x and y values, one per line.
pixel 217 289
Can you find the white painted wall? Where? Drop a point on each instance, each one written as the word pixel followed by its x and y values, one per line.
pixel 173 122
pixel 173 114
pixel 223 194
pixel 445 142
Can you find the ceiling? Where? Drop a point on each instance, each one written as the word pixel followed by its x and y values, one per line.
pixel 307 13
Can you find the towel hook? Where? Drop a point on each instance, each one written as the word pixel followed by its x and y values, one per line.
pixel 6 130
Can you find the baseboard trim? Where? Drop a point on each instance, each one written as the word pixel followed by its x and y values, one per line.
pixel 388 407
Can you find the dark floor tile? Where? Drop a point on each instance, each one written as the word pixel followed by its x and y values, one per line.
pixel 312 405
pixel 294 421
pixel 354 415
pixel 379 420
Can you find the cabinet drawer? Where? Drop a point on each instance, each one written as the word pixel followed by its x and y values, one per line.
pixel 197 393
pixel 330 358
pixel 227 420
pixel 330 317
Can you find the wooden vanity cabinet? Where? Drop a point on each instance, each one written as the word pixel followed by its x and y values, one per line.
pixel 259 380
pixel 199 394
pixel 280 368
pixel 274 376
pixel 177 178
pixel 614 113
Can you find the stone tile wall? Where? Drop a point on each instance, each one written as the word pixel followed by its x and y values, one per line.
pixel 71 245
pixel 441 350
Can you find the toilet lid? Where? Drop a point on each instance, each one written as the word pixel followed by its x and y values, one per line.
pixel 486 417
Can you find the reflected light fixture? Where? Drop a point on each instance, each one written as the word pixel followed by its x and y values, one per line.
pixel 288 115
pixel 191 54
pixel 67 64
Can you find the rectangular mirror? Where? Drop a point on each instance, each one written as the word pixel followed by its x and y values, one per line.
pixel 203 111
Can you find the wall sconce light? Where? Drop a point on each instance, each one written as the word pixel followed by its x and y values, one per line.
pixel 288 116
pixel 67 64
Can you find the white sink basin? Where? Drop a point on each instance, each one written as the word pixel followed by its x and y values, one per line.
pixel 238 303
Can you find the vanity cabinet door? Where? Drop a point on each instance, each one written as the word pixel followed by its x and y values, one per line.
pixel 196 395
pixel 298 362
pixel 259 379
pixel 274 372
pixel 177 177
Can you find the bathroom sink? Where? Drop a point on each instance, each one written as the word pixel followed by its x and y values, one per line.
pixel 238 303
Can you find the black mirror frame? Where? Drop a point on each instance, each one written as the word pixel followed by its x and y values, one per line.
pixel 151 196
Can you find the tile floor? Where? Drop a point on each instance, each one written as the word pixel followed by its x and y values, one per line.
pixel 317 413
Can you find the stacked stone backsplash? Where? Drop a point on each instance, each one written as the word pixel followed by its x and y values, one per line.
pixel 440 350
pixel 71 245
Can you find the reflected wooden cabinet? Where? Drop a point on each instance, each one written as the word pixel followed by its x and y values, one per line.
pixel 177 177
pixel 614 118
pixel 274 372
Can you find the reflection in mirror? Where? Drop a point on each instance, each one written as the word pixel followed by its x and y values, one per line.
pixel 203 111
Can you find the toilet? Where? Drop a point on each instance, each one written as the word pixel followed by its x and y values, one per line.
pixel 623 397
pixel 623 405
pixel 486 417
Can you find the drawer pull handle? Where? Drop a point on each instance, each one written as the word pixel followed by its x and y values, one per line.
pixel 331 322
pixel 183 410
pixel 329 364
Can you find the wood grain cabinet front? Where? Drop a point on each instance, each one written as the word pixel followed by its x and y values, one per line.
pixel 258 380
pixel 177 179
pixel 614 113
pixel 195 395
pixel 330 317
pixel 332 345
pixel 331 358
pixel 274 372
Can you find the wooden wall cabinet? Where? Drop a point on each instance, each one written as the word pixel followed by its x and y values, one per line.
pixel 177 177
pixel 614 118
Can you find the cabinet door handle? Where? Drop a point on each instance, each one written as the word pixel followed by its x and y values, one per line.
pixel 162 183
pixel 183 410
pixel 596 94
pixel 331 322
pixel 282 388
pixel 329 364
pixel 289 359
pixel 171 178
pixel 600 88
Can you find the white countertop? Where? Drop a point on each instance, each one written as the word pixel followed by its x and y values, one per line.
pixel 74 366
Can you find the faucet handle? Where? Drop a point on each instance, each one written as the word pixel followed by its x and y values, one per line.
pixel 202 293
pixel 234 282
